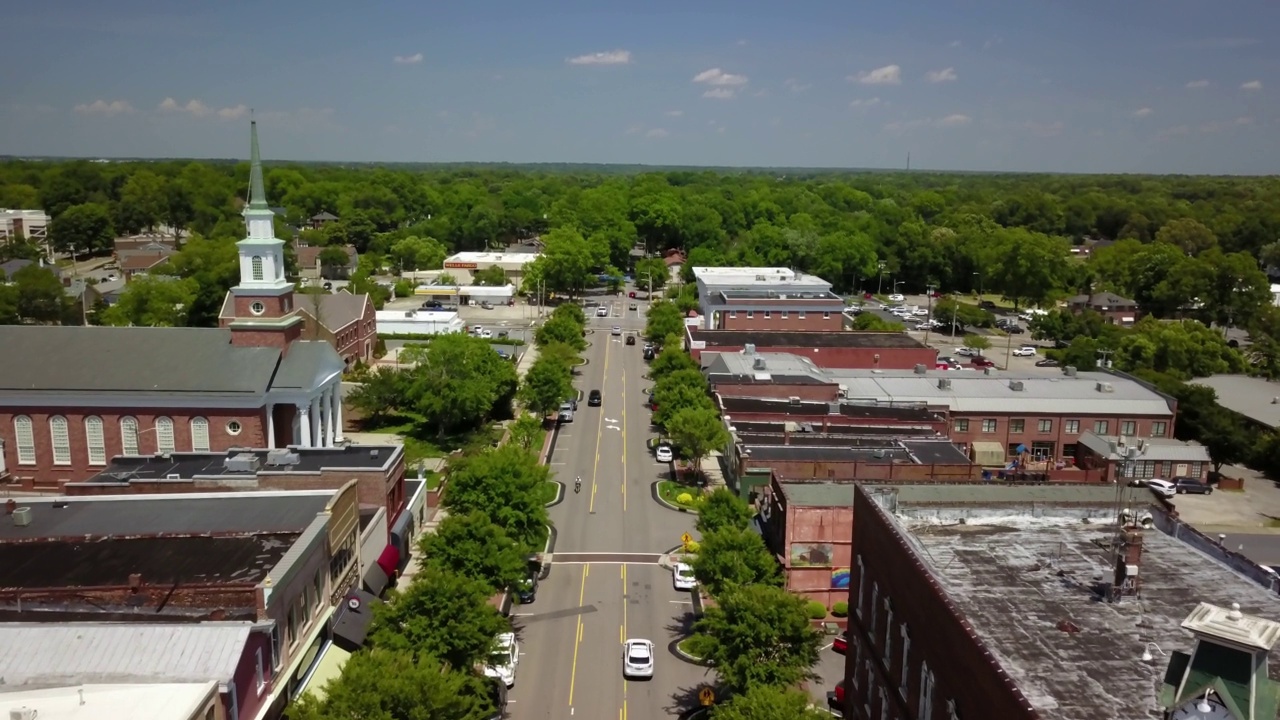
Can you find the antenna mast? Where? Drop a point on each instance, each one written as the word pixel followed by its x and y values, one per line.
pixel 908 162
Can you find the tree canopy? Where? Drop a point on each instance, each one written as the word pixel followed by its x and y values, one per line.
pixel 757 636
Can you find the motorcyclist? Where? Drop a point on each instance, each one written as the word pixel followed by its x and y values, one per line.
pixel 577 484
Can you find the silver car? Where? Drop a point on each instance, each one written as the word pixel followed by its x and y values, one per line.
pixel 637 659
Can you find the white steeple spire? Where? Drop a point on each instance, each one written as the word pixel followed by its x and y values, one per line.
pixel 261 252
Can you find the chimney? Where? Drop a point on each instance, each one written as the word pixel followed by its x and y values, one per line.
pixel 10 505
pixel 920 369
pixel 1129 559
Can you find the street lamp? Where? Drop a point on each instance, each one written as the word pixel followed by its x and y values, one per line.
pixel 979 276
pixel 896 283
pixel 880 283
pixel 929 320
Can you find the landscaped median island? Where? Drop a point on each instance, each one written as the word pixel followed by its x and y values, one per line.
pixel 682 497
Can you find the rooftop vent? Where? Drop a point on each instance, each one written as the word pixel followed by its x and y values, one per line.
pixel 408 314
pixel 22 516
pixel 879 453
pixel 986 371
pixel 794 400
pixel 944 383
pixel 1105 387
pixel 22 713
pixel 749 348
pixel 920 369
pixel 1016 385
pixel 1069 371
pixel 242 463
pixel 282 456
pixel 759 363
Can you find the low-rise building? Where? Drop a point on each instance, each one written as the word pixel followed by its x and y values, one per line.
pixel 119 701
pixel 346 321
pixel 141 262
pixel 418 322
pixel 464 265
pixel 1253 398
pixel 842 457
pixel 1117 459
pixel 809 527
pixel 835 349
pixel 320 219
pixel 746 298
pixel 30 224
pixel 310 267
pixel 1115 309
pixel 467 294
pixel 1050 603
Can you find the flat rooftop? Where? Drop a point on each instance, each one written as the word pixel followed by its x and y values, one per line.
pixel 300 460
pixel 880 452
pixel 764 339
pixel 1015 578
pixel 765 367
pixel 787 292
pixel 819 494
pixel 1249 396
pixel 495 258
pixel 867 412
pixel 161 701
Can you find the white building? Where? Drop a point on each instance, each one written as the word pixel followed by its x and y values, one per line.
pixel 418 322
pixel 1275 295
pixel 468 294
pixel 464 265
pixel 30 224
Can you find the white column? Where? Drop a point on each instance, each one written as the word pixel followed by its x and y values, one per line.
pixel 315 423
pixel 271 426
pixel 329 398
pixel 337 412
pixel 326 419
pixel 304 423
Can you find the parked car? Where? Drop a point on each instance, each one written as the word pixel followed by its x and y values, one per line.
pixel 1191 486
pixel 504 659
pixel 979 361
pixel 1163 488
pixel 637 658
pixel 498 693
pixel 486 305
pixel 920 312
pixel 663 454
pixel 649 352
pixel 987 305
pixel 896 297
pixel 617 330
pixel 835 699
pixel 841 643
pixel 527 590
pixel 682 577
pixel 1014 329
pixel 566 413
pixel 594 399
pixel 966 352
pixel 602 311
pixel 1047 362
pixel 1025 351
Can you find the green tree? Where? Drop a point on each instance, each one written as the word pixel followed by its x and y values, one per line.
pixel 763 702
pixel 730 558
pixel 492 276
pixel 948 309
pixel 651 269
pixel 663 321
pixel 505 483
pixel 1029 266
pixel 9 305
pixel 419 253
pixel 524 432
pixel 573 312
pixel 458 382
pixel 333 260
pixel 671 360
pixel 560 329
pixel 1183 349
pixel 757 636
pixel 381 393
pixel 441 614
pixel 844 258
pixel 84 228
pixel 1189 235
pixel 567 260
pixel 722 509
pixel 547 383
pixel 870 322
pixel 393 685
pixel 38 296
pixel 977 342
pixel 143 202
pixel 697 432
pixel 473 547
pixel 153 301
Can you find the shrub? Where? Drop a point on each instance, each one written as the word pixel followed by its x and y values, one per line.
pixel 692 547
pixel 684 498
pixel 840 609
pixel 815 610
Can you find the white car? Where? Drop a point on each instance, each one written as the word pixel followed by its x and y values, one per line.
pixel 602 311
pixel 683 578
pixel 486 334
pixel 663 454
pixel 966 352
pixel 1025 351
pixel 1163 488
pixel 920 312
pixel 617 330
pixel 504 659
pixel 637 658
pixel 896 297
pixel 884 306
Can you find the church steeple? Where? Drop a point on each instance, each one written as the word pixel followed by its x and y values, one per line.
pixel 257 191
pixel 261 252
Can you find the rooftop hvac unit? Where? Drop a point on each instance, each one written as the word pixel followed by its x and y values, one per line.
pixel 22 713
pixel 282 456
pixel 409 314
pixel 1069 371
pixel 1105 387
pixel 794 400
pixel 22 516
pixel 242 463
pixel 1016 385
pixel 920 369
pixel 749 348
pixel 986 371
pixel 944 383
pixel 173 476
pixel 878 454
pixel 759 364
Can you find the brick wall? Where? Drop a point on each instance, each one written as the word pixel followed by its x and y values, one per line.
pixel 964 670
pixel 822 423
pixel 45 473
pixel 831 526
pixel 812 321
pixel 267 337
pixel 1003 433
pixel 826 470
pixel 223 600
pixel 861 358
pixel 823 393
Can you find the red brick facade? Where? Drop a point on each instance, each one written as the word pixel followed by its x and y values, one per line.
pixel 273 306
pixel 1063 430
pixel 267 337
pixel 822 393
pixel 891 592
pixel 853 358
pixel 354 342
pixel 780 319
pixel 856 470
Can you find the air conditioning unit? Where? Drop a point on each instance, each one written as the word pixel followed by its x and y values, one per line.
pixel 1016 385
pixel 921 369
pixel 242 463
pixel 1069 371
pixel 22 516
pixel 279 457
pixel 1105 387
pixel 22 713
pixel 944 383
pixel 794 400
pixel 759 364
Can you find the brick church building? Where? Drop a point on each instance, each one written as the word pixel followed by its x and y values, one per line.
pixel 72 398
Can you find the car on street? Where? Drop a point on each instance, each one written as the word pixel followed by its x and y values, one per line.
pixel 637 658
pixel 896 297
pixel 1014 329
pixel 1025 351
pixel 682 577
pixel 617 330
pixel 1047 362
pixel 841 643
pixel 1163 488
pixel 631 294
pixel 527 588
pixel 979 361
pixel 594 399
pixel 966 352
pixel 503 659
pixel 633 306
pixel 920 312
pixel 602 311
pixel 486 305
pixel 884 306
pixel 486 334
pixel 1191 486
pixel 663 454
pixel 566 413
pixel 631 339
pixel 477 329
pixel 949 362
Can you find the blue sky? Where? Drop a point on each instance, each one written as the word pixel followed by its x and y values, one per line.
pixel 1164 86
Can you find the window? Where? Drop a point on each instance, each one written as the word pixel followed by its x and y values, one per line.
pixel 1158 429
pixel 826 316
pixel 862 585
pixel 292 625
pixel 906 653
pixel 857 656
pixel 784 314
pixel 962 425
pixel 751 313
pixel 1017 425
pixel 733 313
pixel 875 598
pixel 95 443
pixel 256 265
pixel 233 427
pixel 319 591
pixel 257 308
pixel 1072 427
pixel 199 434
pixel 1129 427
pixel 924 710
pixel 989 425
pixel 870 679
pixel 952 713
pixel 24 435
pixel 164 435
pixel 800 314
pixel 1100 427
pixel 888 631
pixel 260 673
pixel 1045 426
pixel 61 440
pixel 277 652
pixel 768 314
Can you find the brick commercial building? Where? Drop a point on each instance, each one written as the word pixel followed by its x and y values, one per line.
pixel 1120 459
pixel 825 349
pixel 744 298
pixel 1049 603
pixel 1115 309
pixel 73 397
pixel 347 322
pixel 833 457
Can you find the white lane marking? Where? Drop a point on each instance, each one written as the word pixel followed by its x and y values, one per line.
pixel 680 602
pixel 610 420
pixel 827 646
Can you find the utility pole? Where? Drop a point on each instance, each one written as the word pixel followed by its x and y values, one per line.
pixel 880 283
pixel 929 320
pixel 1008 349
pixel 1106 354
pixel 908 162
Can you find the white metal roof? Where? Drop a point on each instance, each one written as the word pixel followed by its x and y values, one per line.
pixel 485 259
pixel 155 701
pixel 1156 449
pixel 41 654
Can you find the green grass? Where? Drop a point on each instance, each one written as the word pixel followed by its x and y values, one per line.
pixel 548 492
pixel 419 445
pixel 669 490
pixel 433 480
pixel 684 647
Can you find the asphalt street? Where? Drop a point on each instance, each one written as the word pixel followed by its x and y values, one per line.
pixel 605 584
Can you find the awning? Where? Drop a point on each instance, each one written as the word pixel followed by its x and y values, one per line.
pixel 351 624
pixel 389 560
pixel 328 668
pixel 375 580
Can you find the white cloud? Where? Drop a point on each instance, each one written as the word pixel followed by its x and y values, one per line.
pixel 1197 84
pixel 102 107
pixel 742 43
pixel 954 44
pixel 1142 112
pixel 613 57
pixel 192 107
pixel 674 113
pixel 656 133
pixel 720 78
pixel 954 120
pixel 635 129
pixel 941 76
pixel 413 59
pixel 1252 85
pixel 865 102
pixel 887 75
pixel 795 86
pixel 719 93
pixel 233 113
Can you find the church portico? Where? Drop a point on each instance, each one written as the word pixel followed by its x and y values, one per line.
pixel 314 421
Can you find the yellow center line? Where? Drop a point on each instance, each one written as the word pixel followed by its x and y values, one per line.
pixel 624 441
pixel 595 470
pixel 577 634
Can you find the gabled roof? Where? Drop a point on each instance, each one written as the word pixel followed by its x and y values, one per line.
pixel 1103 299
pixel 307 363
pixel 336 310
pixel 9 268
pixel 324 215
pixel 143 259
pixel 309 255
